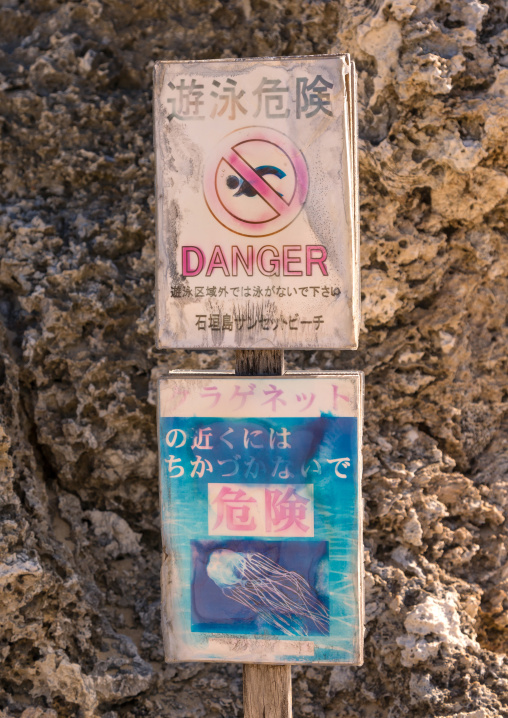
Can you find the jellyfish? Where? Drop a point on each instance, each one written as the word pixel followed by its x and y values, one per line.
pixel 281 598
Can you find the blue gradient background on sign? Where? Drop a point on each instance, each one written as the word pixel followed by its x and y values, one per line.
pixel 185 512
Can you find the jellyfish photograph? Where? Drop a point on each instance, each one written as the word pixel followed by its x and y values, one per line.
pixel 258 590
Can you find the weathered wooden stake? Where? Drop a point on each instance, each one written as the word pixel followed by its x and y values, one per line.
pixel 266 688
pixel 259 362
pixel 267 691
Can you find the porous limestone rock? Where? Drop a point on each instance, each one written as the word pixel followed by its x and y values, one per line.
pixel 79 521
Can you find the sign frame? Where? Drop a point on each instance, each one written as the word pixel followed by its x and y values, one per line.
pixel 281 320
pixel 179 643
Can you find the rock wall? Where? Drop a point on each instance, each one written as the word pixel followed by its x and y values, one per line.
pixel 80 544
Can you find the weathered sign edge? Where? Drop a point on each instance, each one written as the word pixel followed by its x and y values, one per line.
pixel 271 58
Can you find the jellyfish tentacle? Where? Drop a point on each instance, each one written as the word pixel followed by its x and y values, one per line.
pixel 279 597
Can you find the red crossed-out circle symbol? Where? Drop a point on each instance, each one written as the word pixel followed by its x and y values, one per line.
pixel 255 181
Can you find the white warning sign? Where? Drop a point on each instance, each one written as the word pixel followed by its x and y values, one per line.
pixel 257 235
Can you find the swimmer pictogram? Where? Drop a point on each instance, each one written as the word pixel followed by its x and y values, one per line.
pixel 256 182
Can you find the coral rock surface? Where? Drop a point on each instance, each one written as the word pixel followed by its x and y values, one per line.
pixel 79 519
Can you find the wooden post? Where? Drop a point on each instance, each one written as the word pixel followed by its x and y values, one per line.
pixel 267 691
pixel 259 362
pixel 266 687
